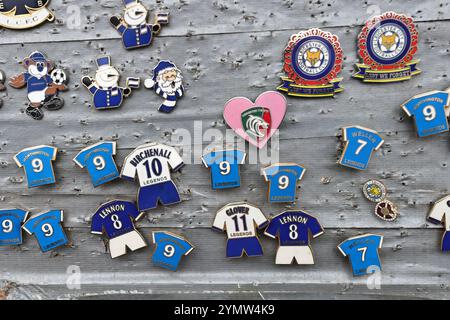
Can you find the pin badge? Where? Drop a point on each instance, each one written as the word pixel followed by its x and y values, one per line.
pixel 24 14
pixel 440 214
pixel 374 191
pixel 105 90
pixel 136 32
pixel 386 210
pixel 387 44
pixel 312 61
pixel 2 85
pixel 115 218
pixel 98 160
pixel 256 121
pixel 152 163
pixel 11 221
pixel 37 162
pixel 170 248
pixel 283 179
pixel 363 253
pixel 430 111
pixel 43 82
pixel 224 166
pixel 359 144
pixel 167 82
pixel 240 221
pixel 47 228
pixel 292 228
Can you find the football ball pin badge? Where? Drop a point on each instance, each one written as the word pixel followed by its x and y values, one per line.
pixel 24 14
pixel 386 45
pixel 312 61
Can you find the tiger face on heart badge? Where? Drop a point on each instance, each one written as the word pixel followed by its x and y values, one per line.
pixel 256 121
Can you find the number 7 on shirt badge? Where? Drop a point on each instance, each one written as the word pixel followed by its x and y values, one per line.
pixel 283 178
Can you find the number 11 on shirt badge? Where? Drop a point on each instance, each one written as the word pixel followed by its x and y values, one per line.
pixel 283 179
pixel 430 111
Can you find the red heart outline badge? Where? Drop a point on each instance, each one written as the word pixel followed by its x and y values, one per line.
pixel 256 121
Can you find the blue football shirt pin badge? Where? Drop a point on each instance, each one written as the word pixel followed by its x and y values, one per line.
pixel 170 248
pixel 37 163
pixel 440 214
pixel 293 229
pixel 11 221
pixel 104 88
pixel 358 144
pixel 240 220
pixel 136 32
pixel 43 82
pixel 152 163
pixel 375 191
pixel 115 218
pixel 283 179
pixel 47 228
pixel 362 251
pixel 167 82
pixel 224 166
pixel 312 62
pixel 430 112
pixel 24 14
pixel 386 45
pixel 98 159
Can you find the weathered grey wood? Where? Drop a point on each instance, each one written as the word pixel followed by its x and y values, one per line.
pixel 227 49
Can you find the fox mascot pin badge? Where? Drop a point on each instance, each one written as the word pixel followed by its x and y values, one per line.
pixel 43 82
pixel 133 26
pixel 312 61
pixel 387 44
pixel 24 14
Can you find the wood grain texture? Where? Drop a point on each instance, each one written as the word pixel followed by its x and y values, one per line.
pixel 227 49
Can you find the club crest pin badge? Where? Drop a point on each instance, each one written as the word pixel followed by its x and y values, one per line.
pixel 375 191
pixel 430 111
pixel 43 81
pixel 24 14
pixel 136 32
pixel 257 121
pixel 386 45
pixel 167 82
pixel 312 62
pixel 440 214
pixel 170 249
pixel 104 88
pixel 386 210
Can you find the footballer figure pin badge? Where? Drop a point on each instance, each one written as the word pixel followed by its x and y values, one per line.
pixel 312 61
pixel 256 121
pixel 386 45
pixel 105 90
pixel 43 82
pixel 136 32
pixel 24 14
pixel 430 111
pixel 167 82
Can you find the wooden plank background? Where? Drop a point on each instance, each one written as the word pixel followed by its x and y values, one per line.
pixel 228 48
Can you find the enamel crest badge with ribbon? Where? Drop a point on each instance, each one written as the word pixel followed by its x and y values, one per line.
pixel 312 61
pixel 24 14
pixel 386 45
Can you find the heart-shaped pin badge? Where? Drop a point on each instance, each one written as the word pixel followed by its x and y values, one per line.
pixel 256 121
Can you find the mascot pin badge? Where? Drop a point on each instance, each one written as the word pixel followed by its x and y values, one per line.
pixel 105 89
pixel 133 26
pixel 312 61
pixel 256 121
pixel 43 82
pixel 24 14
pixel 167 83
pixel 386 45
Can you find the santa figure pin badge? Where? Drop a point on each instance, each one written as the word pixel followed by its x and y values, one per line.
pixel 386 45
pixel 167 82
pixel 105 89
pixel 43 82
pixel 24 14
pixel 312 61
pixel 136 32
